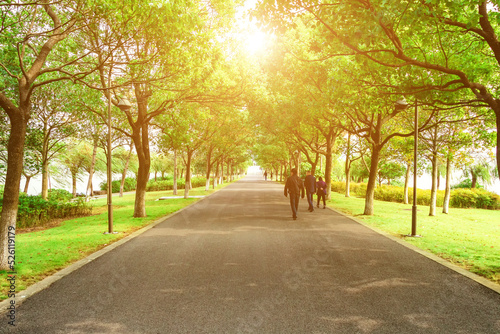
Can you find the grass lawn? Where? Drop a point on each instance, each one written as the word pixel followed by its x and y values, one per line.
pixel 469 238
pixel 42 253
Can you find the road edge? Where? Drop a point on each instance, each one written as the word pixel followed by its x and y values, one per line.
pixel 478 279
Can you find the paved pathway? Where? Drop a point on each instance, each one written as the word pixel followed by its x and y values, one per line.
pixel 236 262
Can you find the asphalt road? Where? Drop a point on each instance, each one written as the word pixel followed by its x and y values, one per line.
pixel 236 262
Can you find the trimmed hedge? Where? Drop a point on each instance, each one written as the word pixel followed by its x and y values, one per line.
pixel 35 211
pixel 459 198
pixel 168 184
pixel 129 185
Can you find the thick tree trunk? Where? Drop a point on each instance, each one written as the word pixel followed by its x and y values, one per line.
pixel 432 207
pixel 188 174
pixel 372 179
pixel 447 189
pixel 497 114
pixel 125 170
pixel 15 153
pixel 407 181
pixel 175 172
pixel 140 190
pixel 141 142
pixel 474 179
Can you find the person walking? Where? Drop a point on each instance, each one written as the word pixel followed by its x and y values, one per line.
pixel 310 184
pixel 265 175
pixel 321 191
pixel 295 188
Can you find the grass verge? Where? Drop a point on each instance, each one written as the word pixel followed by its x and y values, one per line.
pixel 469 238
pixel 42 253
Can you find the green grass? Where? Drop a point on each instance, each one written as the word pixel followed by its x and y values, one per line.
pixel 42 253
pixel 469 238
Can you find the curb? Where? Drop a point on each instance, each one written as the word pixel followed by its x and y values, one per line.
pixel 46 282
pixel 478 279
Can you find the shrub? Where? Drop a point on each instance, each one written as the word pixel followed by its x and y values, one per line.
pixel 474 198
pixel 459 198
pixel 467 184
pixel 129 185
pixel 35 211
pixel 356 189
pixel 169 184
pixel 59 195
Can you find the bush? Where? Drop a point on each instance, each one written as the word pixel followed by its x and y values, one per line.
pixel 59 195
pixel 459 198
pixel 35 211
pixel 474 198
pixel 129 185
pixel 168 184
pixel 466 184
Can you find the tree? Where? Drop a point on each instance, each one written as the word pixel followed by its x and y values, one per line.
pixel 31 34
pixel 455 42
pixel 169 55
pixel 74 158
pixel 55 116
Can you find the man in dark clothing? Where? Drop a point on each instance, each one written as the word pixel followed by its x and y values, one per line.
pixel 310 184
pixel 295 187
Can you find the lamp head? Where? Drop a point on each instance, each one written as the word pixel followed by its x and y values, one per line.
pixel 124 104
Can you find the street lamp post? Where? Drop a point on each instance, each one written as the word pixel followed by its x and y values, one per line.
pixel 415 148
pixel 402 104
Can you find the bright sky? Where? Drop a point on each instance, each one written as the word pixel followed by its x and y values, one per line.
pixel 256 41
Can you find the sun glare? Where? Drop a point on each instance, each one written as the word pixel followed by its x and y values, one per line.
pixel 255 41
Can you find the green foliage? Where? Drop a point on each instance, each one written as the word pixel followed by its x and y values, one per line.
pixel 59 195
pixel 459 198
pixel 35 211
pixel 467 183
pixel 168 184
pixel 129 185
pixel 474 198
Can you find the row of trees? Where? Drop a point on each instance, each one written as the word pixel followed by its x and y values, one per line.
pixel 65 65
pixel 345 78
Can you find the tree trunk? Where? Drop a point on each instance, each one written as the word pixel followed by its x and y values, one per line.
pixel 26 184
pixel 45 178
pixel 15 153
pixel 348 166
pixel 222 170
pixel 372 180
pixel 432 207
pixel 407 181
pixel 125 169
pixel 140 190
pixel 88 191
pixel 474 179
pixel 447 190
pixel 175 172
pixel 73 179
pixel 141 142
pixel 209 169
pixel 216 174
pixel 188 174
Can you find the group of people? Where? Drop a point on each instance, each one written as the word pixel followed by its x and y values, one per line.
pixel 295 188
